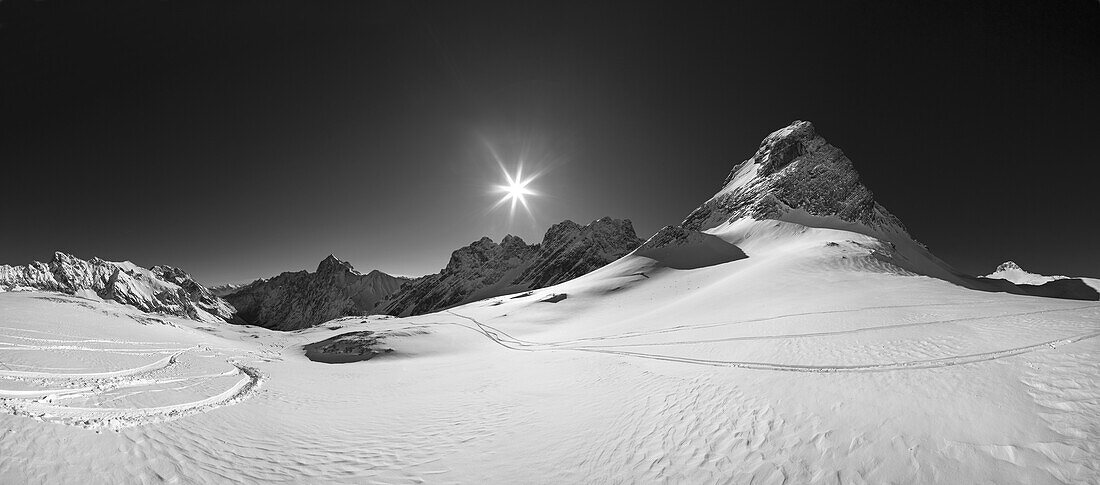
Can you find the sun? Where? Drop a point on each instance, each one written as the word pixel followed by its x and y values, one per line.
pixel 515 190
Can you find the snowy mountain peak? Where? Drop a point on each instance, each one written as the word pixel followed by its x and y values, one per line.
pixel 796 175
pixel 333 264
pixel 1011 271
pixel 783 146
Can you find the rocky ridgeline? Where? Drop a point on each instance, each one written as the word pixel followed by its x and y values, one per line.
pixel 794 168
pixel 160 289
pixel 295 300
pixel 485 269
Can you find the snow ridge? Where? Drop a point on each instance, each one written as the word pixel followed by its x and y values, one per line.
pixel 160 289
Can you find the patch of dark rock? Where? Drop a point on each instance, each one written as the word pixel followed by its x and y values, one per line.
pixel 522 295
pixel 70 301
pixel 145 320
pixel 556 297
pixel 347 347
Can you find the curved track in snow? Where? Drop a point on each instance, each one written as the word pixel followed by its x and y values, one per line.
pixel 183 383
pixel 505 340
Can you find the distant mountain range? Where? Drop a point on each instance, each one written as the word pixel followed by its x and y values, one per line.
pixel 486 269
pixel 795 178
pixel 160 289
pixel 481 270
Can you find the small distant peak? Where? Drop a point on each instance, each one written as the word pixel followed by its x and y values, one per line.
pixel 61 257
pixel 511 242
pixel 1008 266
pixel 332 263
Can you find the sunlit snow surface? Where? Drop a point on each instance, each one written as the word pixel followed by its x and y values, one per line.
pixel 809 364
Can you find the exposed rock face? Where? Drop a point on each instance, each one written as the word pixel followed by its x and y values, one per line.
pixel 485 269
pixel 295 300
pixel 794 168
pixel 569 250
pixel 160 289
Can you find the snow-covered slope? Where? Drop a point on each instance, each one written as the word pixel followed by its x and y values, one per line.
pixel 485 269
pixel 291 301
pixel 160 289
pixel 794 366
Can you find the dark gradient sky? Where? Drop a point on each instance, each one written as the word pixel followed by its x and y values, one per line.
pixel 242 139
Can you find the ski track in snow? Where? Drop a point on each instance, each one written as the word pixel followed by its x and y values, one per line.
pixel 38 391
pixel 505 340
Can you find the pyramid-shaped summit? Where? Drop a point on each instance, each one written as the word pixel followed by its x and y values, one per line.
pixel 332 263
pixel 796 175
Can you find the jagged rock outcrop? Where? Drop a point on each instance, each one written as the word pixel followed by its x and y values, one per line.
pixel 160 289
pixel 485 269
pixel 569 250
pixel 794 169
pixel 295 300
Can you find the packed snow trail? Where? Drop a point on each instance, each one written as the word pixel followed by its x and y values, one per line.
pixel 502 338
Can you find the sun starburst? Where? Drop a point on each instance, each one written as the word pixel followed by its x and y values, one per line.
pixel 515 190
